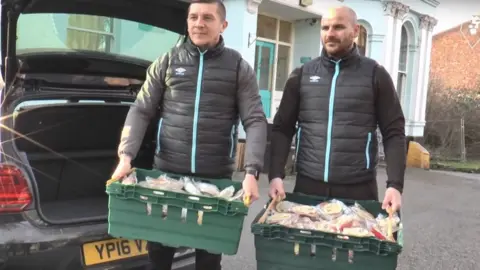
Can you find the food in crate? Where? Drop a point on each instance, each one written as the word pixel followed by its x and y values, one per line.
pixel 184 184
pixel 333 217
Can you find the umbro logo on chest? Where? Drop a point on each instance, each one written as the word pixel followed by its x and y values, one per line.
pixel 315 79
pixel 180 71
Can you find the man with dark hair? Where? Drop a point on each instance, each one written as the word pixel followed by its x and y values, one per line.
pixel 338 99
pixel 221 10
pixel 201 88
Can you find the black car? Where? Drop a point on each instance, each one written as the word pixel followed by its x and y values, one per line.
pixel 71 72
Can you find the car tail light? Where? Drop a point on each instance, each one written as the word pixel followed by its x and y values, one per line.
pixel 14 192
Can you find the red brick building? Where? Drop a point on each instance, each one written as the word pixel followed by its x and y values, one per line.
pixel 455 59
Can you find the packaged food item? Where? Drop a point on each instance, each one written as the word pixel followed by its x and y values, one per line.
pixel 238 195
pixel 163 182
pixel 357 232
pixel 208 189
pixel 305 210
pixel 382 221
pixel 342 222
pixel 324 226
pixel 130 179
pixel 227 193
pixel 190 186
pixel 285 206
pixel 331 209
pixel 291 222
pixel 361 213
pixel 276 218
pixel 338 218
pixel 304 223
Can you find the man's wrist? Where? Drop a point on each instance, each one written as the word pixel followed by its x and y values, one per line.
pixel 125 157
pixel 253 171
pixel 275 176
pixel 398 187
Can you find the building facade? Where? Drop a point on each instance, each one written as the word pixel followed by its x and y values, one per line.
pixel 275 36
pixel 455 57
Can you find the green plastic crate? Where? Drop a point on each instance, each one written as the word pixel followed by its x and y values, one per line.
pixel 138 213
pixel 275 245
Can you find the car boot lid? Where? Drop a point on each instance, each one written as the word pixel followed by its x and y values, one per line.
pixel 166 14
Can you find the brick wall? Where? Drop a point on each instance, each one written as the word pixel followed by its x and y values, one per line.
pixel 453 61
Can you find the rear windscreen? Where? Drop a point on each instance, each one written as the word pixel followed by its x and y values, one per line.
pixel 93 33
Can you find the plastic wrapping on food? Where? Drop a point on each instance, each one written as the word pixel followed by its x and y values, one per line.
pixel 285 206
pixel 357 231
pixel 305 223
pixel 227 193
pixel 292 222
pixel 208 189
pixel 324 226
pixel 130 179
pixel 163 183
pixel 361 213
pixel 184 185
pixel 333 217
pixel 343 221
pixel 190 186
pixel 277 218
pixel 305 210
pixel 331 210
pixel 380 227
pixel 238 195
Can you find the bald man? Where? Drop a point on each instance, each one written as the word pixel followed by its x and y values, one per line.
pixel 338 99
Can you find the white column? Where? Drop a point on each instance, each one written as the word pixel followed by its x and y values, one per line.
pixel 390 11
pixel 421 68
pixel 376 48
pixel 402 10
pixel 423 105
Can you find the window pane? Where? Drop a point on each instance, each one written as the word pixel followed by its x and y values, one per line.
pixel 285 34
pixel 95 23
pixel 362 41
pixel 283 64
pixel 402 65
pixel 264 65
pixel 59 32
pixel 85 32
pixel 82 40
pixel 266 27
pixel 401 83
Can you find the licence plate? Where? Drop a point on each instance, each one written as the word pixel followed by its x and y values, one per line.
pixel 112 250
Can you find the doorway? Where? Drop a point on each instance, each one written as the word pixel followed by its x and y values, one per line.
pixel 272 60
pixel 264 59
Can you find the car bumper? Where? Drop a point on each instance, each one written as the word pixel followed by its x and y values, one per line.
pixel 70 259
pixel 25 246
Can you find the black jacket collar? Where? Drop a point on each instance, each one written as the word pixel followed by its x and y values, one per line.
pixel 194 50
pixel 348 59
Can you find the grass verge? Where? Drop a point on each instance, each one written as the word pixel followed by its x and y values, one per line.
pixel 472 166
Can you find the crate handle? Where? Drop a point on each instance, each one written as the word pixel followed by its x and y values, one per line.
pixel 149 209
pixel 159 193
pixel 193 198
pixel 306 232
pixel 200 218
pixel 296 249
pixel 145 198
pixel 113 180
pixel 207 207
